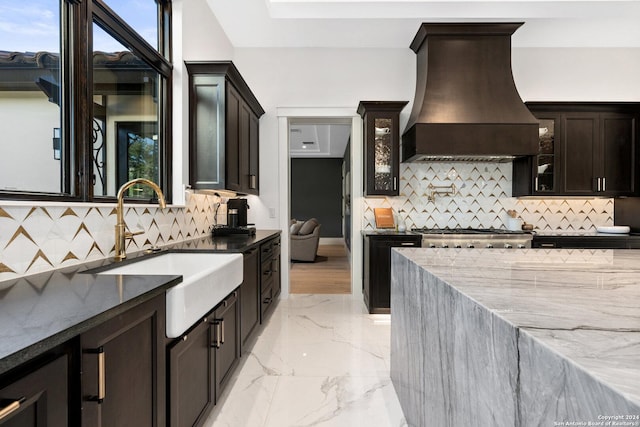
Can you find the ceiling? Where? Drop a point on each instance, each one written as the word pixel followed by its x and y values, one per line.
pixel 393 23
pixel 310 137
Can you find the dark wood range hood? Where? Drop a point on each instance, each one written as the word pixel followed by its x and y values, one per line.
pixel 467 107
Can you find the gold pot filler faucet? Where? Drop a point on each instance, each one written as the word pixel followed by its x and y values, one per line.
pixel 121 228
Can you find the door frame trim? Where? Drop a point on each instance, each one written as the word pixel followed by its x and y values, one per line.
pixel 284 116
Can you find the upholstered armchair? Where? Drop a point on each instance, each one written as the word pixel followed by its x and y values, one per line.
pixel 305 237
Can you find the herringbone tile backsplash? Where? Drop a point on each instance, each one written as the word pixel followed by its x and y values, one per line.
pixel 482 199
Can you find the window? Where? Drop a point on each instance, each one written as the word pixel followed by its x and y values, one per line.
pixel 30 97
pixel 74 125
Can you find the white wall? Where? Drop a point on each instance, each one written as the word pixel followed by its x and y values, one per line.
pixel 26 133
pixel 203 36
pixel 577 74
pixel 197 36
pixel 341 78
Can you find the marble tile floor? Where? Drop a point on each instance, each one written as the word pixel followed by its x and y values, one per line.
pixel 321 360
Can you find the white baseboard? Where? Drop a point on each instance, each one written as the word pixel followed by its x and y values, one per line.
pixel 332 241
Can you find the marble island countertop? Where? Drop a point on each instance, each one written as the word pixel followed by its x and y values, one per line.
pixel 583 305
pixel 41 311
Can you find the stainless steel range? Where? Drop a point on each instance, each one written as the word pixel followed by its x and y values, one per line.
pixel 473 238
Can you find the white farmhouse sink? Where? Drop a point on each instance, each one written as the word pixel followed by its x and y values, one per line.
pixel 207 279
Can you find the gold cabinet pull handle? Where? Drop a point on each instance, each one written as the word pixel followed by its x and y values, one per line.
pixel 216 339
pixel 11 408
pixel 102 388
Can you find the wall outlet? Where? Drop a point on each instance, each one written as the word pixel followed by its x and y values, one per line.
pixel 272 212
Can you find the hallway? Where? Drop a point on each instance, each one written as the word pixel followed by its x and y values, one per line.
pixel 331 265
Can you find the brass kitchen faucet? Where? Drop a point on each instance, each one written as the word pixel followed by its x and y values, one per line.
pixel 121 228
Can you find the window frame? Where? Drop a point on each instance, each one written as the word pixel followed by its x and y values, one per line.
pixel 76 116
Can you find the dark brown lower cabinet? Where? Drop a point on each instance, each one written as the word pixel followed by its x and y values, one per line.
pixel 249 297
pixel 201 363
pixel 226 340
pixel 37 399
pixel 191 365
pixel 123 369
pixel 376 286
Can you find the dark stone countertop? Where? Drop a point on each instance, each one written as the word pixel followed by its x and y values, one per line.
pixel 40 311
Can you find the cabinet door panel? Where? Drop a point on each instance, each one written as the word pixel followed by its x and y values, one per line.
pixel 254 155
pixel 381 129
pixel 618 153
pixel 378 264
pixel 380 289
pixel 233 179
pixel 191 390
pixel 207 150
pixel 580 153
pixel 44 394
pixel 132 374
pixel 228 350
pixel 249 296
pixel 244 131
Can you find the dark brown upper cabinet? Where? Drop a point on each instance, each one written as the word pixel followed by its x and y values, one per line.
pixel 381 146
pixel 585 149
pixel 223 129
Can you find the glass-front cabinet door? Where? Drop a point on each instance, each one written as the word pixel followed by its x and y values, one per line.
pixel 381 146
pixel 545 166
pixel 383 155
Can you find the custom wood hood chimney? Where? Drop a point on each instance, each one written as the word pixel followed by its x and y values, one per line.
pixel 466 105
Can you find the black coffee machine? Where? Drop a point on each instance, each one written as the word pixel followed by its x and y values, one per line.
pixel 241 207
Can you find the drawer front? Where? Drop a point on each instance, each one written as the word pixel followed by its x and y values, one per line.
pixel 269 249
pixel 266 250
pixel 276 247
pixel 266 302
pixel 266 272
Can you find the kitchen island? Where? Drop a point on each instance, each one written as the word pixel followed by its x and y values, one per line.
pixel 532 337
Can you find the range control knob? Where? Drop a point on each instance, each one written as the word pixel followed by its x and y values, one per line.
pixel 489 245
pixel 444 245
pixel 458 245
pixel 521 246
pixel 470 245
pixel 432 245
pixel 508 246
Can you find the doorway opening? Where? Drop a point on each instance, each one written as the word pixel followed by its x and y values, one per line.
pixel 320 205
